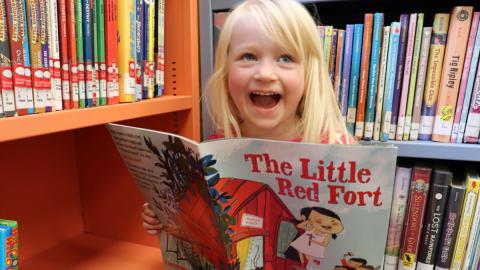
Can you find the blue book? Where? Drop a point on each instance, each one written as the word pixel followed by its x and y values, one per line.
pixel 373 75
pixel 26 63
pixel 390 80
pixel 354 77
pixel 87 6
pixel 469 88
pixel 402 49
pixel 5 232
pixel 347 60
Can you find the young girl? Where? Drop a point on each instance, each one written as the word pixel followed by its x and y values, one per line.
pixel 270 80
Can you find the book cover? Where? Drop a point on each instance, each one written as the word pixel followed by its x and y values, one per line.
pixel 460 21
pixel 381 85
pixel 347 61
pixel 405 92
pixel 472 253
pixel 111 51
pixel 5 232
pixel 413 76
pixel 373 75
pixel 11 245
pixel 450 223
pixel 434 215
pixel 256 204
pixel 434 69
pixel 463 92
pixel 420 85
pixel 354 77
pixel 419 187
pixel 337 81
pixel 402 52
pixel 126 45
pixel 333 55
pixel 54 47
pixel 6 83
pixel 327 44
pixel 87 31
pixel 363 76
pixel 401 190
pixel 72 55
pixel 472 126
pixel 64 61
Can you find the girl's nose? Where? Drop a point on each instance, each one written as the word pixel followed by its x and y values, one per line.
pixel 266 71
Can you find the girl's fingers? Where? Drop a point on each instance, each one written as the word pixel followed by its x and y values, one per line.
pixel 148 226
pixel 148 210
pixel 152 220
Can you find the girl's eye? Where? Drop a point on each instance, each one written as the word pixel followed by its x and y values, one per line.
pixel 285 58
pixel 248 57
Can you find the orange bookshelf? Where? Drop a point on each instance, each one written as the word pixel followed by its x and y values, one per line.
pixel 64 182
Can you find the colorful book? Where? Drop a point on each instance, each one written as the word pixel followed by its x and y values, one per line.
pixel 460 21
pixel 418 195
pixel 45 56
pixel 406 77
pixel 91 92
pixel 363 76
pixel 401 189
pixel 390 80
pixel 327 43
pixel 434 69
pixel 402 52
pixel 472 253
pixel 450 223
pixel 463 92
pixel 468 211
pixel 413 75
pixel 6 83
pixel 381 84
pixel 26 62
pixel 333 55
pixel 264 198
pixel 354 77
pixel 111 51
pixel 420 85
pixel 100 52
pixel 434 215
pixel 126 59
pixel 54 47
pixel 150 49
pixel 472 126
pixel 64 61
pixel 160 59
pixel 82 87
pixel 72 56
pixel 11 245
pixel 347 61
pixel 337 81
pixel 373 75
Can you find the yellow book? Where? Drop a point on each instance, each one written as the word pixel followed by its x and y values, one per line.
pixel 126 63
pixel 468 210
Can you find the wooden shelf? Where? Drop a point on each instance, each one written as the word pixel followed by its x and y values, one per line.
pixel 40 124
pixel 89 252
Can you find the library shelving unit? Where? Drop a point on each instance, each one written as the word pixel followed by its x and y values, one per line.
pixel 339 13
pixel 64 182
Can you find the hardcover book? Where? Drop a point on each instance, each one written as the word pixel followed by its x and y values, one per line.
pixel 259 204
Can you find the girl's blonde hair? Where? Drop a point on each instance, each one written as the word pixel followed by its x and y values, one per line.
pixel 288 24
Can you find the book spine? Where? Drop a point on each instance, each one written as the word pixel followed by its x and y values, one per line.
pixel 473 241
pixel 26 61
pixel 102 74
pixel 151 45
pixel 95 55
pixel 333 55
pixel 466 70
pixel 363 76
pixel 347 61
pixel 434 68
pixel 54 46
pixel 434 215
pixel 65 67
pixel 406 77
pixel 468 210
pixel 414 217
pixel 91 92
pixel 6 83
pixel 354 77
pixel 11 244
pixel 381 84
pixel 397 216
pixel 111 51
pixel 472 127
pixel 126 63
pixel 420 85
pixel 82 91
pixel 45 47
pixel 327 43
pixel 373 75
pixel 450 227
pixel 72 55
pixel 35 24
pixel 141 77
pixel 402 48
pixel 413 77
pixel 5 233
pixel 390 79
pixel 339 65
pixel 461 19
pixel 160 60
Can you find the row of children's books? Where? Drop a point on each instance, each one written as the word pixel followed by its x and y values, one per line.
pixel 68 54
pixel 8 245
pixel 435 218
pixel 407 80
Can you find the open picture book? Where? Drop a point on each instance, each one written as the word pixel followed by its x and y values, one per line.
pixel 259 204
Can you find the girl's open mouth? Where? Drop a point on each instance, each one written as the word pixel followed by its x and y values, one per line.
pixel 265 100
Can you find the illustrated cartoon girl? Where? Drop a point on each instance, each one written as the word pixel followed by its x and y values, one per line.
pixel 320 225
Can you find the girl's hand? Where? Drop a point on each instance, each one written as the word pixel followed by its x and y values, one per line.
pixel 150 221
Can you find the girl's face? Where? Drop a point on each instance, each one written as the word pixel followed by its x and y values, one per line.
pixel 325 224
pixel 265 82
